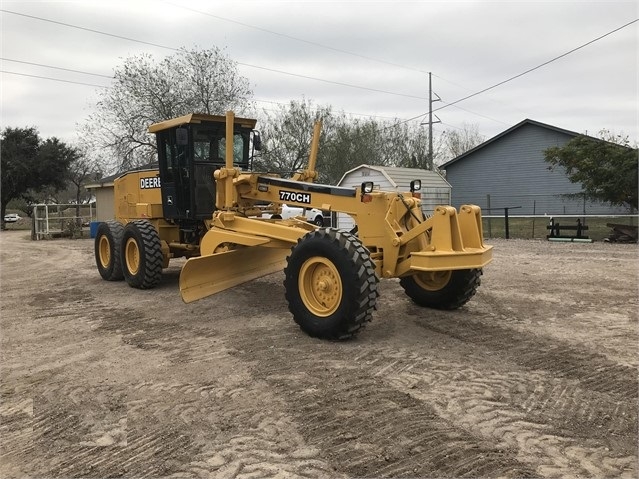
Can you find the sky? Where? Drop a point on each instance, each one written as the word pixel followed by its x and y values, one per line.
pixel 366 58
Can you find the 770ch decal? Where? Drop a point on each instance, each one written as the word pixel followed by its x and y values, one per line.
pixel 295 197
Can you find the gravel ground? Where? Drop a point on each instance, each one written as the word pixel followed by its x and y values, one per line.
pixel 535 377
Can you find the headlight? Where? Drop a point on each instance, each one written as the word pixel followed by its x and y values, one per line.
pixel 367 187
pixel 415 185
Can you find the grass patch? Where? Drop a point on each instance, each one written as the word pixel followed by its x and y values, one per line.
pixel 535 228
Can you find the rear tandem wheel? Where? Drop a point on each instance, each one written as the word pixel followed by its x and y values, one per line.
pixel 330 284
pixel 107 250
pixel 141 253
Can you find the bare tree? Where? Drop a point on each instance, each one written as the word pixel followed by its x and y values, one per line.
pixel 345 142
pixel 287 135
pixel 82 170
pixel 458 142
pixel 147 90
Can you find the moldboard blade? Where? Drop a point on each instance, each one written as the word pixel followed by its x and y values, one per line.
pixel 206 275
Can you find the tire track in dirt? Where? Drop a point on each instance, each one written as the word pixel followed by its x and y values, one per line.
pixel 571 433
pixel 363 425
pixel 150 429
pixel 155 429
pixel 593 371
pixel 16 430
pixel 581 319
pixel 491 404
pixel 247 435
pixel 542 411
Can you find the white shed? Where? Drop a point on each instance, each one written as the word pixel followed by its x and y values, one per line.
pixel 435 189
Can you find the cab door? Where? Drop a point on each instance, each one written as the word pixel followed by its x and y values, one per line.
pixel 175 172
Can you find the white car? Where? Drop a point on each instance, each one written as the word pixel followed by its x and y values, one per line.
pixel 313 215
pixel 12 218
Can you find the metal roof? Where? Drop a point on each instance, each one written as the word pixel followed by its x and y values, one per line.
pixel 506 132
pixel 199 118
pixel 398 176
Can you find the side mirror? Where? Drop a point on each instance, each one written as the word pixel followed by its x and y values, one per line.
pixel 257 141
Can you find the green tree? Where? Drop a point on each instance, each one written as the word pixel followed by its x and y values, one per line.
pixel 147 90
pixel 605 167
pixel 30 164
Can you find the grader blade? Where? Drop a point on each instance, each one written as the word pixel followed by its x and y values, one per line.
pixel 206 275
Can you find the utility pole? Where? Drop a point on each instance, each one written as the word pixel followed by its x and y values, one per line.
pixel 430 120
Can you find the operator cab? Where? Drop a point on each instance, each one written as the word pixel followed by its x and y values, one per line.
pixel 190 149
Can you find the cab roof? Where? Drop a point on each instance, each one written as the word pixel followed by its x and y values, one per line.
pixel 199 118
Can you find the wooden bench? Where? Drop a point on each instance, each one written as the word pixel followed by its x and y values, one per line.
pixel 556 230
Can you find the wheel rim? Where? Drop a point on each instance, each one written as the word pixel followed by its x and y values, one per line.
pixel 320 286
pixel 433 280
pixel 132 256
pixel 104 251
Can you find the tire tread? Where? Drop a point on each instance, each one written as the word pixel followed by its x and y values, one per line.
pixel 361 270
pixel 151 250
pixel 114 233
pixel 460 289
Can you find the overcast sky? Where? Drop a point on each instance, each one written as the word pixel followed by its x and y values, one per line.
pixel 368 58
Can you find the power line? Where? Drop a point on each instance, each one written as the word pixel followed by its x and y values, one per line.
pixel 451 126
pixel 342 111
pixel 332 82
pixel 88 29
pixel 538 66
pixel 102 86
pixel 52 79
pixel 498 102
pixel 56 68
pixel 523 73
pixel 291 37
pixel 475 113
pixel 239 63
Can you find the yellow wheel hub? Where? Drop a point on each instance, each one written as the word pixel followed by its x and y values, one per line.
pixel 433 280
pixel 132 256
pixel 320 286
pixel 104 251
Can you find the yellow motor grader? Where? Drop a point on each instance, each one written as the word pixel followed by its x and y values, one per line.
pixel 204 203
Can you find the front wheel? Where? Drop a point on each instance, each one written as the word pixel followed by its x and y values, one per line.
pixel 318 221
pixel 442 289
pixel 330 284
pixel 141 253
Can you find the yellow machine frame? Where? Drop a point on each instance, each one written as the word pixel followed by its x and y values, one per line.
pixel 330 276
pixel 391 226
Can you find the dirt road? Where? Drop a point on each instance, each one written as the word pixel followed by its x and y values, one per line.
pixel 535 377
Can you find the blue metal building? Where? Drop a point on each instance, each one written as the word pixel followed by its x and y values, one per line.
pixel 509 170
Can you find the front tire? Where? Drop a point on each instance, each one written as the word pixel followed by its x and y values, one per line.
pixel 319 221
pixel 330 283
pixel 141 253
pixel 107 250
pixel 442 289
